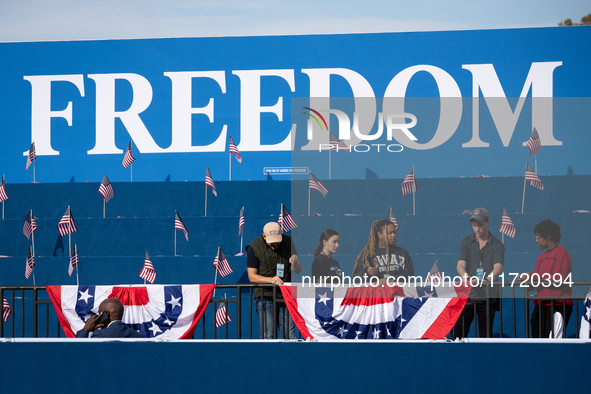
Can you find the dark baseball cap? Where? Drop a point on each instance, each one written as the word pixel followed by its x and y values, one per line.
pixel 480 215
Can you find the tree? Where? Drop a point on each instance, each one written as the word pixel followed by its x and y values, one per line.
pixel 585 21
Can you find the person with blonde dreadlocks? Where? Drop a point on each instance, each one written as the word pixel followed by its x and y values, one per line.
pixel 381 257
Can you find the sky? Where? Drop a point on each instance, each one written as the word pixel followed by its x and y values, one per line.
pixel 43 20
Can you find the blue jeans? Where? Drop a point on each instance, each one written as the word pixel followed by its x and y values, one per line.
pixel 284 320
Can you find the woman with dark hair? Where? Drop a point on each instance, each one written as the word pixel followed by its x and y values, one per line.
pixel 324 267
pixel 553 265
pixel 381 257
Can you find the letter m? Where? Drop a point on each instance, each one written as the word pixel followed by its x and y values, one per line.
pixel 539 80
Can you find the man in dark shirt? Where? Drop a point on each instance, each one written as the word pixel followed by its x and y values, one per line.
pixel 482 256
pixel 112 327
pixel 271 258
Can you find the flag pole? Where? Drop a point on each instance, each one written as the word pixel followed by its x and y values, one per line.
pixel 230 162
pixel 33 244
pixel 175 241
pixel 70 239
pixel 34 182
pixel 206 200
pixel 523 199
pixel 77 263
pixel 103 208
pixel 413 202
pixel 329 163
pixel 536 162
pixel 215 281
pixel 308 201
pixel 131 172
pixel 413 192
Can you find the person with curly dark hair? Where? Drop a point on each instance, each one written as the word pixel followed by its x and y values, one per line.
pixel 551 265
pixel 381 257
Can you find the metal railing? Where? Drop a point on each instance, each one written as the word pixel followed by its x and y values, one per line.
pixel 32 302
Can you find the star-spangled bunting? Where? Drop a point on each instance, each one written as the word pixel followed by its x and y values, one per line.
pixel 3 195
pixel 179 225
pixel 6 310
pixel 233 149
pixel 30 263
pixel 337 144
pixel 285 220
pixel 73 260
pixel 106 189
pixel 241 221
pixel 533 144
pixel 434 273
pixel 391 218
pixel 585 330
pixel 409 185
pixel 165 312
pixel 507 226
pixel 31 157
pixel 351 312
pixel 67 224
pixel 315 184
pixel 221 264
pixel 221 315
pixel 148 272
pixel 128 158
pixel 209 181
pixel 532 177
pixel 29 226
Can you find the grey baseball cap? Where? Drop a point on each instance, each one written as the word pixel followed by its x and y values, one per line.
pixel 479 214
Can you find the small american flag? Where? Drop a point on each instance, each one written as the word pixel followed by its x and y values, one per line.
pixel 233 149
pixel 221 263
pixel 209 181
pixel 30 263
pixel 29 226
pixel 6 310
pixel 67 224
pixel 241 221
pixel 148 272
pixel 337 144
pixel 3 195
pixel 434 273
pixel 286 221
pixel 73 260
pixel 507 226
pixel 533 144
pixel 391 218
pixel 128 158
pixel 106 189
pixel 533 179
pixel 317 185
pixel 409 185
pixel 178 224
pixel 32 156
pixel 221 315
